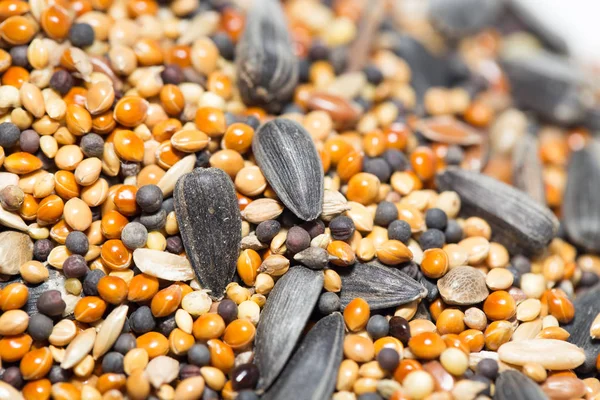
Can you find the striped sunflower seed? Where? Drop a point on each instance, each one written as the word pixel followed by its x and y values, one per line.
pixel 210 226
pixel 266 64
pixel 282 320
pixel 287 156
pixel 312 370
pixel 518 222
pixel 527 168
pixel 587 305
pixel 513 385
pixel 380 286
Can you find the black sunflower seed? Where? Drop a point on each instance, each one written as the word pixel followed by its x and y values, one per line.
pixel 513 385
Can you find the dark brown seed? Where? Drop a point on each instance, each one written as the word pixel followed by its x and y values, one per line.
pixel 210 226
pixel 513 385
pixel 282 320
pixel 581 207
pixel 313 257
pixel 312 371
pixel 527 168
pixel 518 222
pixel 287 156
pixel 266 64
pixel 380 286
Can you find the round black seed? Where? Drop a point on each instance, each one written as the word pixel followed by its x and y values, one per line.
pixel 149 198
pixel 436 218
pixel 41 249
pixel 188 371
pixel 40 327
pixel 210 394
pixel 374 75
pixel 129 168
pixel 488 368
pixel 57 374
pixel 29 141
pixel 386 213
pixel 228 310
pixel 245 395
pixel 199 355
pixel 378 167
pixel 432 239
pixel 396 159
pixel 303 70
pixel 318 51
pixel 378 326
pixel 18 54
pixel 455 155
pixel 81 35
pixel 172 74
pixel 225 45
pixel 329 302
pixel 588 279
pixel 388 358
pixel 412 269
pixel 142 320
pixel 13 376
pixel 92 145
pixel 134 235
pixel 9 134
pixel 297 240
pixel 400 329
pixel 289 219
pixel 90 283
pixel 453 232
pixel 266 230
pixel 113 362
pixel 480 378
pixel 202 159
pixel 166 325
pixel 369 396
pixel 155 221
pixel 521 263
pixel 61 81
pixel 342 228
pixel 314 228
pixel 124 343
pixel 517 275
pixel 399 230
pixel 75 266
pixel 51 303
pixel 174 244
pixel 244 376
pixel 77 243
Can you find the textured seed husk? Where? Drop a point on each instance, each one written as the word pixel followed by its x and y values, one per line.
pixel 312 370
pixel 163 265
pixel 380 286
pixel 282 320
pixel 210 226
pixel 109 331
pixel 527 168
pixel 79 347
pixel 460 18
pixel 12 220
pixel 581 207
pixel 16 248
pixel 463 286
pixel 266 64
pixel 288 159
pixel 313 258
pixel 513 385
pixel 518 222
pixel 588 306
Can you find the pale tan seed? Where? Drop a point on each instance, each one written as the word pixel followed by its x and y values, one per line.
pixel 184 321
pixel 49 146
pixel 88 171
pixel 528 310
pixel 110 161
pixel 161 370
pixel 63 332
pixel 189 140
pixel 533 285
pixel 334 204
pixel 190 388
pixel 110 330
pixel 475 318
pixel 44 186
pixel 371 370
pixel 475 226
pixel 347 375
pixel 96 193
pixel 498 256
pixel 275 265
pixel 527 330
pixel 332 281
pixel 84 368
pixel 13 322
pixel 77 214
pixel 32 100
pixel 407 311
pixel 135 359
pixel 261 210
pixel 449 202
pixel 499 279
pixel 33 272
pixel 360 215
pixel 57 256
pixel 79 348
pixel 457 255
pixel 213 377
pixel 477 248
pixel 100 97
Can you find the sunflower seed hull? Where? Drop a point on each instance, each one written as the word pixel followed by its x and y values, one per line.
pixel 312 371
pixel 460 18
pixel 163 265
pixel 380 286
pixel 210 226
pixel 518 222
pixel 588 306
pixel 513 385
pixel 266 64
pixel 527 168
pixel 285 314
pixel 287 156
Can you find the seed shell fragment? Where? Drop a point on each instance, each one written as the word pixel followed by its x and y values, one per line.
pixel 527 168
pixel 513 385
pixel 163 265
pixel 210 226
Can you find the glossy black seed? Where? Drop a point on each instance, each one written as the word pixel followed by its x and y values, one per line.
pixel 342 228
pixel 297 240
pixel 244 376
pixel 413 270
pixel 172 74
pixel 289 219
pixel 378 326
pixel 188 371
pixel 149 198
pixel 29 141
pixel 386 213
pixel 455 155
pixel 378 167
pixel 134 235
pixel 453 232
pixel 318 51
pixel 13 376
pixel 245 395
pixel 521 263
pixel 199 355
pixel 400 329
pixel 225 45
pixel 396 159
pixel 516 275
pixel 328 302
pixel 374 75
pixel 125 342
pixel 431 286
pixel 51 303
pixel 77 243
pixel 142 320
pixel 388 359
pixel 40 327
pixel 266 230
pixel 62 81
pixel 92 145
pixel 166 325
pixel 436 218
pixel 75 266
pixel 369 396
pixel 488 368
pixel 314 228
pixel 174 244
pixel 41 249
pixel 228 310
pixel 155 221
pixel 57 374
pixel 90 283
pixel 399 230
pixel 9 135
pixel 81 35
pixel 588 279
pixel 113 362
pixel 432 239
pixel 202 159
pixel 18 55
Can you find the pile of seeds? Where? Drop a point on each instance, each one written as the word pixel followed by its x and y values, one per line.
pixel 304 200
